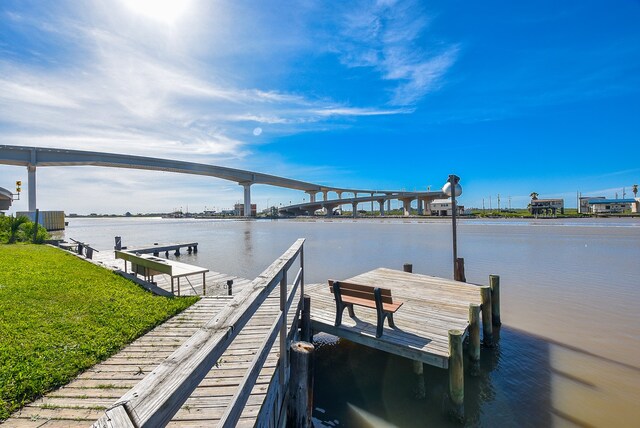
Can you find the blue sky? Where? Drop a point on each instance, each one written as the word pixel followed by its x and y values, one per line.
pixel 513 97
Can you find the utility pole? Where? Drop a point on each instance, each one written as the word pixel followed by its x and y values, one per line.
pixel 498 201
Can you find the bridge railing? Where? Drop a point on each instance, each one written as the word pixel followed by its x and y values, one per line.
pixel 157 398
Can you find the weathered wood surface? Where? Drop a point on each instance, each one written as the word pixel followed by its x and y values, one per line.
pixel 84 400
pixel 432 307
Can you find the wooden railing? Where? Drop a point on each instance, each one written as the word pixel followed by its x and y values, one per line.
pixel 157 398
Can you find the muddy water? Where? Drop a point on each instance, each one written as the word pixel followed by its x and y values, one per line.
pixel 569 352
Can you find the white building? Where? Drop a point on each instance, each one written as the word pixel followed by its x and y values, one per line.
pixel 583 206
pixel 613 206
pixel 442 207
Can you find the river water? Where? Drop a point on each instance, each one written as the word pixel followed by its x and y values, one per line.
pixel 569 349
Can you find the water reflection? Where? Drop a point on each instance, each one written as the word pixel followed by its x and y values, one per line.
pixel 523 381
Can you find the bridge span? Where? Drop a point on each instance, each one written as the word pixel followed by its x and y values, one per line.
pixel 34 157
pixel 329 205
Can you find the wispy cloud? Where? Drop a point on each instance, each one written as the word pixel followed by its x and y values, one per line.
pixel 388 36
pixel 128 89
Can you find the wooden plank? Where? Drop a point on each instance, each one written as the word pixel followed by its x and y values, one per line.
pixel 158 397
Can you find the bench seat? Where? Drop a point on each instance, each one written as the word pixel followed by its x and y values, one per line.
pixel 347 294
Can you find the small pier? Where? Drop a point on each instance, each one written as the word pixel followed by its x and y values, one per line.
pixel 156 249
pixel 436 315
pixel 432 306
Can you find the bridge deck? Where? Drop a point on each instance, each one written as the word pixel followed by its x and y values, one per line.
pixel 432 306
pixel 83 401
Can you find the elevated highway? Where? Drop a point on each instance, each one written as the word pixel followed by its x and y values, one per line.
pixel 34 157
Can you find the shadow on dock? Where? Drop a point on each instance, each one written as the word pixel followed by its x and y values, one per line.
pixel 525 380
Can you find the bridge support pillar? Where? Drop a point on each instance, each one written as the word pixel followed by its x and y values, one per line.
pixel 406 204
pixel 420 206
pixel 388 204
pixel 312 196
pixel 354 208
pixel 325 194
pixel 247 199
pixel 32 187
pixel 381 203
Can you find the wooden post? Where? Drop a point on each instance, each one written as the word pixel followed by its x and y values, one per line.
pixel 494 283
pixel 230 287
pixel 118 245
pixel 305 327
pixel 487 329
pixel 418 370
pixel 459 270
pixel 456 375
pixel 474 332
pixel 204 283
pixel 407 267
pixel 301 385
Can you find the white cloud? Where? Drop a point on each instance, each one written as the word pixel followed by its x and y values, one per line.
pixel 388 37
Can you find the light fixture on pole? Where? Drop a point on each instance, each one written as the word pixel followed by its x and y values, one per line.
pixel 453 189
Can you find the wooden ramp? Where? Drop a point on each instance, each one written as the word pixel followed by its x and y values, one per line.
pixel 84 400
pixel 432 306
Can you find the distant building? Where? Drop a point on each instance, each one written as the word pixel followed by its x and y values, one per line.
pixel 546 206
pixel 613 206
pixel 583 206
pixel 239 210
pixel 442 207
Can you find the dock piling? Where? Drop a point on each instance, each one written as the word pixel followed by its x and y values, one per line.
pixel 487 329
pixel 474 338
pixel 301 385
pixel 418 370
pixel 456 375
pixel 459 270
pixel 494 283
pixel 230 287
pixel 408 267
pixel 305 327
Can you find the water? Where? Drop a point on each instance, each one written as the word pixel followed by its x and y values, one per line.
pixel 570 295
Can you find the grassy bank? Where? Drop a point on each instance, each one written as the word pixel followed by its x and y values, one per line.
pixel 60 315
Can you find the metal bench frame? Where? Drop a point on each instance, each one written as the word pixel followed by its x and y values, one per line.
pixel 381 313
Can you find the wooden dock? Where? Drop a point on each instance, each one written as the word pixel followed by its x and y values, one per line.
pixel 216 282
pixel 432 306
pixel 84 400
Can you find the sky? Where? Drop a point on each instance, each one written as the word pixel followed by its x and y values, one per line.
pixel 513 97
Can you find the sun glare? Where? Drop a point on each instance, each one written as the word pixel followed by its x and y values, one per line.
pixel 165 11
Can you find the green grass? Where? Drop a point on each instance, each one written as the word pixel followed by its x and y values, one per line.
pixel 60 315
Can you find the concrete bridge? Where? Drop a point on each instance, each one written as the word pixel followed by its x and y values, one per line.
pixel 329 205
pixel 34 157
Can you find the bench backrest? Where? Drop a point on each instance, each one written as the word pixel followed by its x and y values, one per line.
pixel 361 291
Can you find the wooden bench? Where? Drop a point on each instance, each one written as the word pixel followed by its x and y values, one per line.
pixel 348 294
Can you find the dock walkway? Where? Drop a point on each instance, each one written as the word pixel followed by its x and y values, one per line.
pixel 237 385
pixel 84 400
pixel 432 306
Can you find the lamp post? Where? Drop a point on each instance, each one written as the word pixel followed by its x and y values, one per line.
pixel 452 188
